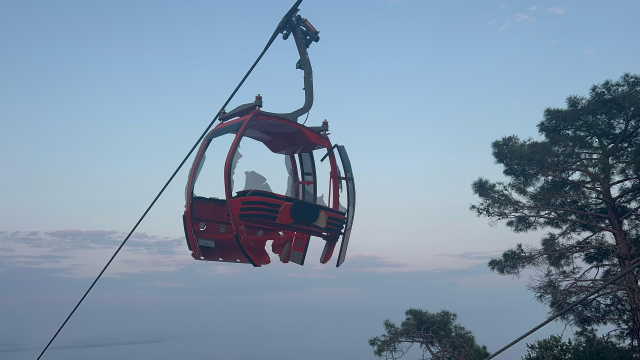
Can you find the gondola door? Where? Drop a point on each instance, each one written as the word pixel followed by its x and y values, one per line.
pixel 351 202
pixel 207 224
pixel 251 241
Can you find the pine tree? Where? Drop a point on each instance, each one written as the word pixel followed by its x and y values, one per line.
pixel 580 184
pixel 437 334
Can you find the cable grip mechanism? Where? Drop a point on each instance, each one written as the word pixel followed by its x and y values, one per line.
pixel 308 31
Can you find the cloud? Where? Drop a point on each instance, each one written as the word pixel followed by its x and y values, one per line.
pixel 8 348
pixel 533 8
pixel 166 284
pixel 554 42
pixel 492 22
pixel 474 255
pixel 486 281
pixel 588 50
pixel 372 263
pixel 503 6
pixel 556 10
pixel 504 26
pixel 521 17
pixel 81 254
pixel 465 259
pixel 223 268
pixel 77 234
pixel 312 275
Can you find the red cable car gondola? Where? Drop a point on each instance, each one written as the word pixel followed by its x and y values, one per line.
pixel 236 228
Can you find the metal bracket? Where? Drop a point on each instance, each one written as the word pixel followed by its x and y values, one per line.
pixel 242 110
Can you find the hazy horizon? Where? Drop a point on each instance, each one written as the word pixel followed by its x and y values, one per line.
pixel 99 102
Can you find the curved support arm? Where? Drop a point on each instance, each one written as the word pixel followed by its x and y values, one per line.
pixel 304 34
pixel 305 64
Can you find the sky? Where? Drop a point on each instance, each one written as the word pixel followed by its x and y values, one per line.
pixel 100 101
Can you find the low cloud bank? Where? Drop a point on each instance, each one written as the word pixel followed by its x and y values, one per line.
pixel 81 254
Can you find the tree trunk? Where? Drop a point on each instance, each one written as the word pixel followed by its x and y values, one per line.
pixel 630 284
pixel 633 292
pixel 624 256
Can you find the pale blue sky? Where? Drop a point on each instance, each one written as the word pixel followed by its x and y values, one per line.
pixel 100 101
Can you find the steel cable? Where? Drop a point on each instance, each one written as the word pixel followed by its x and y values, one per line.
pixel 568 308
pixel 282 23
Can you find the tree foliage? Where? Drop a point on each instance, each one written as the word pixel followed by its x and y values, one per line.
pixel 585 346
pixel 437 334
pixel 580 183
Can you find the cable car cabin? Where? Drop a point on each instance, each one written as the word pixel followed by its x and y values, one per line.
pixel 237 227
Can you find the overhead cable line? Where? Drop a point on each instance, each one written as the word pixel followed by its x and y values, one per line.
pixel 568 308
pixel 278 29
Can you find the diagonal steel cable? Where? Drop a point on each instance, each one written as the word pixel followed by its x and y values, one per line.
pixel 278 29
pixel 568 308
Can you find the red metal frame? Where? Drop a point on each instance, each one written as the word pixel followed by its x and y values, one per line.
pixel 237 228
